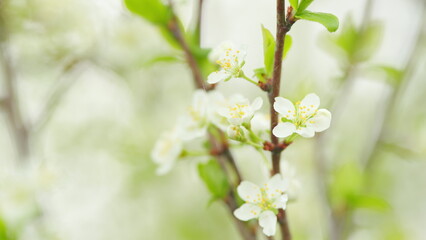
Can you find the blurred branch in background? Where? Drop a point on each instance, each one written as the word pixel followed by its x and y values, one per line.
pixel 58 91
pixel 399 80
pixel 354 42
pixel 10 103
pixel 22 130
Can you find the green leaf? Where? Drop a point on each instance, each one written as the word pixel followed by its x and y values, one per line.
pixel 394 75
pixel 168 36
pixel 347 39
pixel 369 41
pixel 163 58
pixel 214 178
pixel 268 50
pixel 294 4
pixel 371 202
pixel 153 11
pixel 287 45
pixel 303 5
pixel 329 21
pixel 347 184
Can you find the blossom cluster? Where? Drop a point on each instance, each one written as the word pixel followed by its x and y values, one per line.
pixel 243 122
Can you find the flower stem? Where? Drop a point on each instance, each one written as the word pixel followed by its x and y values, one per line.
pixel 247 78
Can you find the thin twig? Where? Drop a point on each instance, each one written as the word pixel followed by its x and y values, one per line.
pixel 283 26
pixel 218 145
pixel 11 107
pixel 10 102
pixel 407 73
pixel 57 93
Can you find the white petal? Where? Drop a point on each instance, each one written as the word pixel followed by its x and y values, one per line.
pixel 257 103
pixel 247 211
pixel 281 202
pixel 306 132
pixel 285 107
pixel 283 130
pixel 276 185
pixel 310 103
pixel 218 51
pixel 321 121
pixel 268 221
pixel 216 77
pixel 249 192
pixel 235 121
pixel 164 168
pixel 238 99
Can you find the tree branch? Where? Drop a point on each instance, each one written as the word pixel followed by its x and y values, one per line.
pixel 58 91
pixel 219 146
pixel 283 26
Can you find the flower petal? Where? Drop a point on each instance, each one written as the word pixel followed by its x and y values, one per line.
pixel 247 211
pixel 216 77
pixel 257 104
pixel 285 107
pixel 281 202
pixel 283 130
pixel 321 121
pixel 268 221
pixel 309 104
pixel 306 132
pixel 249 192
pixel 276 186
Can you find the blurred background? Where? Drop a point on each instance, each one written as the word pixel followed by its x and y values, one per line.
pixel 83 102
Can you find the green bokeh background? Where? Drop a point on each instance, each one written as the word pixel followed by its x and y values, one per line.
pixel 96 144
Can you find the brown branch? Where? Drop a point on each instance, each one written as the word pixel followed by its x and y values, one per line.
pixel 199 20
pixel 12 110
pixel 283 26
pixel 177 33
pixel 219 145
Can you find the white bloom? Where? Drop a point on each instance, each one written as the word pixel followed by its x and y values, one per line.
pixel 303 118
pixel 194 122
pixel 239 109
pixel 236 132
pixel 217 101
pixel 260 125
pixel 167 150
pixel 230 59
pixel 262 203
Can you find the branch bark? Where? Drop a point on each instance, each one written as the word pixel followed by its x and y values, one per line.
pixel 283 26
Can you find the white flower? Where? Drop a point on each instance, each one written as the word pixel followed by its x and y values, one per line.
pixel 260 125
pixel 194 122
pixel 236 132
pixel 239 109
pixel 217 101
pixel 262 203
pixel 303 118
pixel 167 150
pixel 230 59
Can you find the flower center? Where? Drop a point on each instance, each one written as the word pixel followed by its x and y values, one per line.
pixel 303 114
pixel 266 202
pixel 230 61
pixel 238 110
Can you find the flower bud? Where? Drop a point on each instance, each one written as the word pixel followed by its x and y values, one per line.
pixel 237 133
